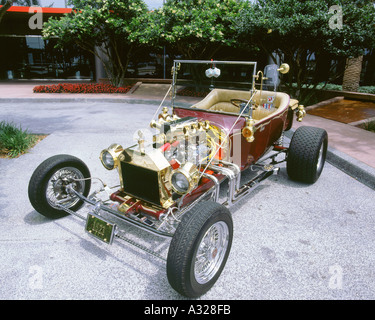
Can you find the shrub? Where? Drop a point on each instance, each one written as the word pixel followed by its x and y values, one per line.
pixel 337 87
pixel 14 141
pixel 332 86
pixel 367 89
pixel 81 88
pixel 369 126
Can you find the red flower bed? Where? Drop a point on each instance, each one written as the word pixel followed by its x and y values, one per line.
pixel 81 88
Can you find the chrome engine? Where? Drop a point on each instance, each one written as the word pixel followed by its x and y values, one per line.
pixel 170 166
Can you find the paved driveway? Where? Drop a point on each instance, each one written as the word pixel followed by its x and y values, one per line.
pixel 291 241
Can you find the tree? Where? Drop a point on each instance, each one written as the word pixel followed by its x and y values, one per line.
pixel 25 3
pixel 196 29
pixel 104 28
pixel 299 30
pixel 6 4
pixel 361 14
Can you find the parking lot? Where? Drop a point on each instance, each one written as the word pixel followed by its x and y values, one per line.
pixel 291 241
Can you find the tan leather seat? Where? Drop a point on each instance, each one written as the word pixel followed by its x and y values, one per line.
pixel 224 107
pixel 219 100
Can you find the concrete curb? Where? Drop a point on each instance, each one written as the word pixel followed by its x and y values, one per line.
pixel 324 103
pixel 58 100
pixel 360 122
pixel 352 167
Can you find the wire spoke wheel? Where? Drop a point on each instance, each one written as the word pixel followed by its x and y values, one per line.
pixel 211 252
pixel 199 249
pixel 51 183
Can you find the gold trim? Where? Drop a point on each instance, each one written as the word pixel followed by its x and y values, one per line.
pixel 249 130
pixel 284 68
pixel 301 113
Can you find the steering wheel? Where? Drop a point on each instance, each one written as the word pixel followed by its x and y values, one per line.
pixel 238 102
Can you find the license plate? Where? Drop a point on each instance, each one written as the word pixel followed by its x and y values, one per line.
pixel 100 229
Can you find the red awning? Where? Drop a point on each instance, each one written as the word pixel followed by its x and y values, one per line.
pixel 44 10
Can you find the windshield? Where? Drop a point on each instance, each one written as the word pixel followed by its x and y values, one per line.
pixel 195 79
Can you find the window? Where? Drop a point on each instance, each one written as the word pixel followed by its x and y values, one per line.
pixel 31 57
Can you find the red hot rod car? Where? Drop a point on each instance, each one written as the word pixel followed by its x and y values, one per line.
pixel 170 182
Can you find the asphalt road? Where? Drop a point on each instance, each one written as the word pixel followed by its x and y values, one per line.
pixel 291 241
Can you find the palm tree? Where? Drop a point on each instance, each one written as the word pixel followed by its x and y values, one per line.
pixel 352 74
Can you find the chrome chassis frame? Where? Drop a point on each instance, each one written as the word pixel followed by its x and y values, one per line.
pixel 235 193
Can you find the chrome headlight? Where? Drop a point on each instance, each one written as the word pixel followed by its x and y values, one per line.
pixel 109 156
pixel 185 178
pixel 180 182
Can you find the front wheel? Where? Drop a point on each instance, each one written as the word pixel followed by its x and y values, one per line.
pixel 307 154
pixel 199 249
pixel 50 182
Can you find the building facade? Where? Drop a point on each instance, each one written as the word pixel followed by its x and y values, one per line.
pixel 25 55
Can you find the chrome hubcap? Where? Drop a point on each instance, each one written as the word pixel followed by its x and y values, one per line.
pixel 319 165
pixel 57 193
pixel 211 252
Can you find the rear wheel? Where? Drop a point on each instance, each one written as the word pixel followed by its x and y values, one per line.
pixel 48 186
pixel 199 249
pixel 307 154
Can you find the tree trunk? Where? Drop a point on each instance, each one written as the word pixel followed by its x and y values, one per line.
pixel 352 74
pixel 5 7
